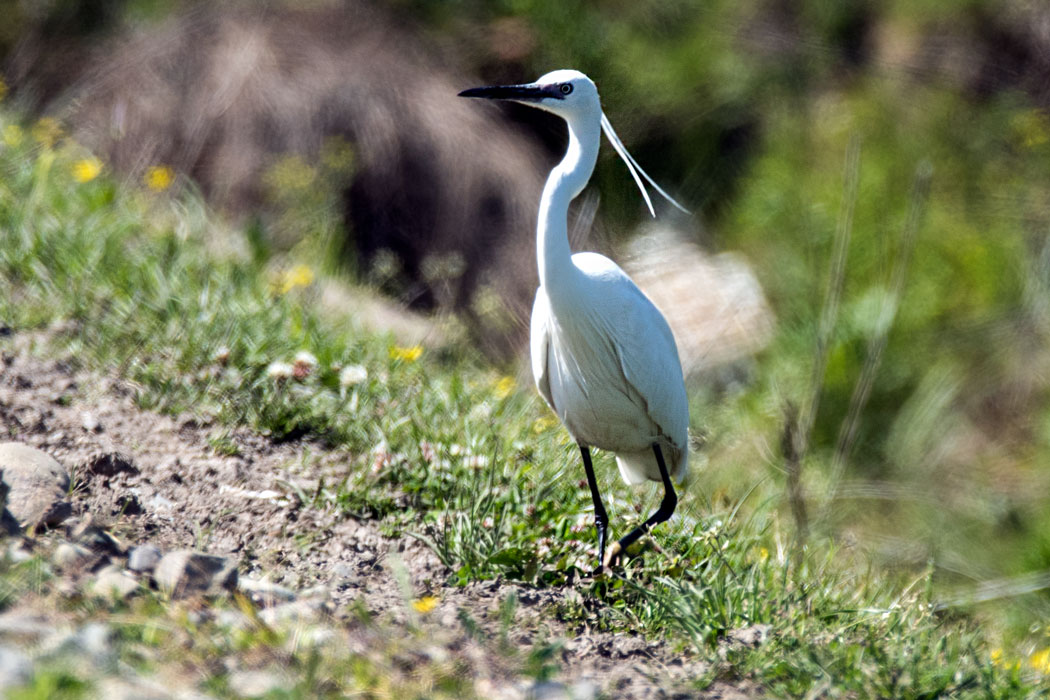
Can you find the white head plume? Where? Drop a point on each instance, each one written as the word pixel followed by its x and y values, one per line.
pixel 635 169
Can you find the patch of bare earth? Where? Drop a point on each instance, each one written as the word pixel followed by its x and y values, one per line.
pixel 154 479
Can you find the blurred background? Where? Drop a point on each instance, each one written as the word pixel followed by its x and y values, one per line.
pixel 862 296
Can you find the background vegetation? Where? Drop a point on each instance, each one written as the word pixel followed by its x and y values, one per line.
pixel 893 153
pixel 929 427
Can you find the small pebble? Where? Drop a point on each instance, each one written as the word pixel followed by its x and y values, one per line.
pixel 299 612
pixel 114 581
pixel 94 640
pixel 266 592
pixel 184 573
pixel 17 553
pixel 254 683
pixel 144 558
pixel 89 422
pixel 15 667
pixel 24 626
pixel 68 555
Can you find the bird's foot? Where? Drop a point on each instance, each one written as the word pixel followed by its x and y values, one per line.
pixel 612 557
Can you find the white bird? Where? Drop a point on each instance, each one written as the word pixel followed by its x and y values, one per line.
pixel 603 356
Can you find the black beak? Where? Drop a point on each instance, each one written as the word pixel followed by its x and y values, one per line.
pixel 521 93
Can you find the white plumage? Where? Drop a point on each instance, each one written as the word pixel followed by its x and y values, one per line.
pixel 603 356
pixel 605 361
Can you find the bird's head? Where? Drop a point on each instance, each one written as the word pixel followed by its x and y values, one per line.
pixel 574 97
pixel 567 93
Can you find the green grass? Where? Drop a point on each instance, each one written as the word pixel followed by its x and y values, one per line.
pixel 448 450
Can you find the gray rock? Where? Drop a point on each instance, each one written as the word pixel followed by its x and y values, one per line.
pixel 296 613
pixel 585 690
pixel 548 690
pixel 254 683
pixel 24 627
pixel 199 617
pixel 92 642
pixel 317 636
pixel 95 641
pixel 38 484
pixel 752 636
pixel 133 688
pixel 15 667
pixel 552 690
pixel 266 593
pixel 160 504
pixel 17 552
pixel 89 422
pixel 144 558
pixel 184 573
pixel 190 694
pixel 486 689
pixel 232 619
pixel 68 556
pixel 114 581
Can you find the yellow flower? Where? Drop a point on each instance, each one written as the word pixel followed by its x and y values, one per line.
pixel 291 174
pixel 296 276
pixel 86 169
pixel 544 423
pixel 406 354
pixel 763 553
pixel 425 604
pixel 1040 661
pixel 1000 660
pixel 12 135
pixel 159 178
pixel 1031 128
pixel 504 387
pixel 47 131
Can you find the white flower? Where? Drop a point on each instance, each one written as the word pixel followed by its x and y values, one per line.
pixel 305 363
pixel 279 371
pixel 481 411
pixel 351 375
pixel 221 356
pixel 305 357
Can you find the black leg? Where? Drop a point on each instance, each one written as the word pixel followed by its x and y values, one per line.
pixel 664 512
pixel 601 520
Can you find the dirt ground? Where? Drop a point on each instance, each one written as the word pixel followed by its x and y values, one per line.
pixel 155 479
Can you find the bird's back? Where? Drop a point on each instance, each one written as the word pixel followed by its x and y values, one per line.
pixel 605 360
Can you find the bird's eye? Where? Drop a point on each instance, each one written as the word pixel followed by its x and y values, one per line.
pixel 566 88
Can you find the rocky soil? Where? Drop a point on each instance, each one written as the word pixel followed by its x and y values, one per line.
pixel 119 499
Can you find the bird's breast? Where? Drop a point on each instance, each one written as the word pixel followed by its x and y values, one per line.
pixel 589 390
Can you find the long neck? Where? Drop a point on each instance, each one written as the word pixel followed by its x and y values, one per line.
pixel 566 181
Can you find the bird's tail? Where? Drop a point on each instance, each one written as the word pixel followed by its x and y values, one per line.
pixel 637 467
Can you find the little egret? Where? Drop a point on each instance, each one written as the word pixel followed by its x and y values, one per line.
pixel 603 356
